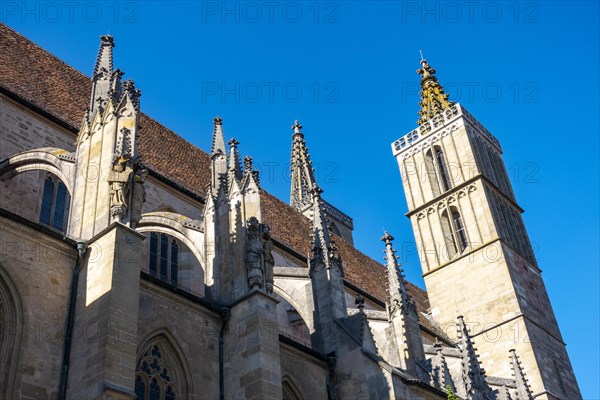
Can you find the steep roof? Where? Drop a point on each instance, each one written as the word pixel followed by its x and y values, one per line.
pixel 53 86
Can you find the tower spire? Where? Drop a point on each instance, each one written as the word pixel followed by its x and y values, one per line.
pixel 102 77
pixel 523 391
pixel 402 313
pixel 303 178
pixel 433 98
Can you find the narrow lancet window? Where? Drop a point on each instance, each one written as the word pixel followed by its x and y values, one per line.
pixel 449 238
pixel 152 267
pixel 455 234
pixel 163 260
pixel 431 173
pixel 460 230
pixel 55 204
pixel 47 198
pixel 437 171
pixel 443 169
pixel 174 262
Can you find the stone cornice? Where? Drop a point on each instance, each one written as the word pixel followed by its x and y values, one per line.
pixel 444 196
pixel 439 125
pixel 460 187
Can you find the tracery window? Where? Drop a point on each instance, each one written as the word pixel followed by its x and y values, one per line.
pixel 55 204
pixel 413 136
pixel 155 378
pixel 163 261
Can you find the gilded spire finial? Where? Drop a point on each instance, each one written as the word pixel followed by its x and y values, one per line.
pixel 433 98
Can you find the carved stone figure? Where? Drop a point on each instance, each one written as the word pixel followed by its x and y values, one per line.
pixel 268 258
pixel 138 196
pixel 254 254
pixel 393 309
pixel 119 183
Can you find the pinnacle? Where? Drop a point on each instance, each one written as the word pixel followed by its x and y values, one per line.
pixel 387 238
pixel 218 141
pixel 296 127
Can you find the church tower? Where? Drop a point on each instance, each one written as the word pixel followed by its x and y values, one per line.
pixel 476 257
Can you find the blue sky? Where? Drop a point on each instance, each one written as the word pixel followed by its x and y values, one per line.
pixel 527 70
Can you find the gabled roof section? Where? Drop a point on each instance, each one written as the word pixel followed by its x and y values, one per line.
pixel 43 80
pixel 39 78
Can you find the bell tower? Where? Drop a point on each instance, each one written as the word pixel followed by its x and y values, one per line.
pixel 475 254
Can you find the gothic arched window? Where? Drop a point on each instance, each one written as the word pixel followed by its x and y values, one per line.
pixel 449 240
pixel 158 375
pixel 163 261
pixel 455 234
pixel 10 334
pixel 430 169
pixel 289 390
pixel 55 204
pixel 444 176
pixel 437 170
pixel 459 228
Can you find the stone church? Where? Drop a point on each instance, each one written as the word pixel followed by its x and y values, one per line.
pixel 134 265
